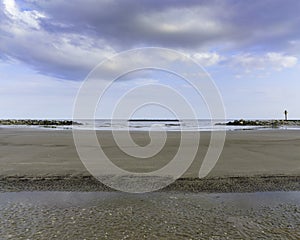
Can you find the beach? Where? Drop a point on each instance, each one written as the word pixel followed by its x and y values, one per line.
pixel 252 192
pixel 50 155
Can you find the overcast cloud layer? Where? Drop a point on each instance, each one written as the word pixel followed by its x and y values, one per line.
pixel 67 39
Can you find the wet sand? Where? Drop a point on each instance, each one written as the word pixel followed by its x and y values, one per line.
pixel 108 215
pixel 251 160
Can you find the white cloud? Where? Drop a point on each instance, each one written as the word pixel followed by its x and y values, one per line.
pixel 279 61
pixel 200 20
pixel 66 54
pixel 207 58
pixel 269 61
pixel 28 18
pixel 74 37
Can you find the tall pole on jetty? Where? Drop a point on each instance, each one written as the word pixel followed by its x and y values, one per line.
pixel 285 115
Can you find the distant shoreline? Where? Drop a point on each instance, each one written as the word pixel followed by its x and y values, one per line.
pixel 146 124
pixel 236 122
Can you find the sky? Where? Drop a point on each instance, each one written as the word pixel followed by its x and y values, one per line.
pixel 251 50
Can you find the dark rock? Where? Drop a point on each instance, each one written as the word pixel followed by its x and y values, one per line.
pixel 44 123
pixel 268 123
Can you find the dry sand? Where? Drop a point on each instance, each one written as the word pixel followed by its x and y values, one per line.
pixel 248 157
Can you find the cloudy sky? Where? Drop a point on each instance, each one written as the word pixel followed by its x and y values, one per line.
pixel 250 48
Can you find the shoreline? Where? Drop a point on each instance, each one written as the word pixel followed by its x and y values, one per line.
pixel 169 124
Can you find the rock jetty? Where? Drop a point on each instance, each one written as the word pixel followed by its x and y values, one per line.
pixel 267 123
pixel 33 122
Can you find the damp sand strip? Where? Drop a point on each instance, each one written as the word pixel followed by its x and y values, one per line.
pixel 89 183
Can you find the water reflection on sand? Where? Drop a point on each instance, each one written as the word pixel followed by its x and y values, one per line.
pixel 168 215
